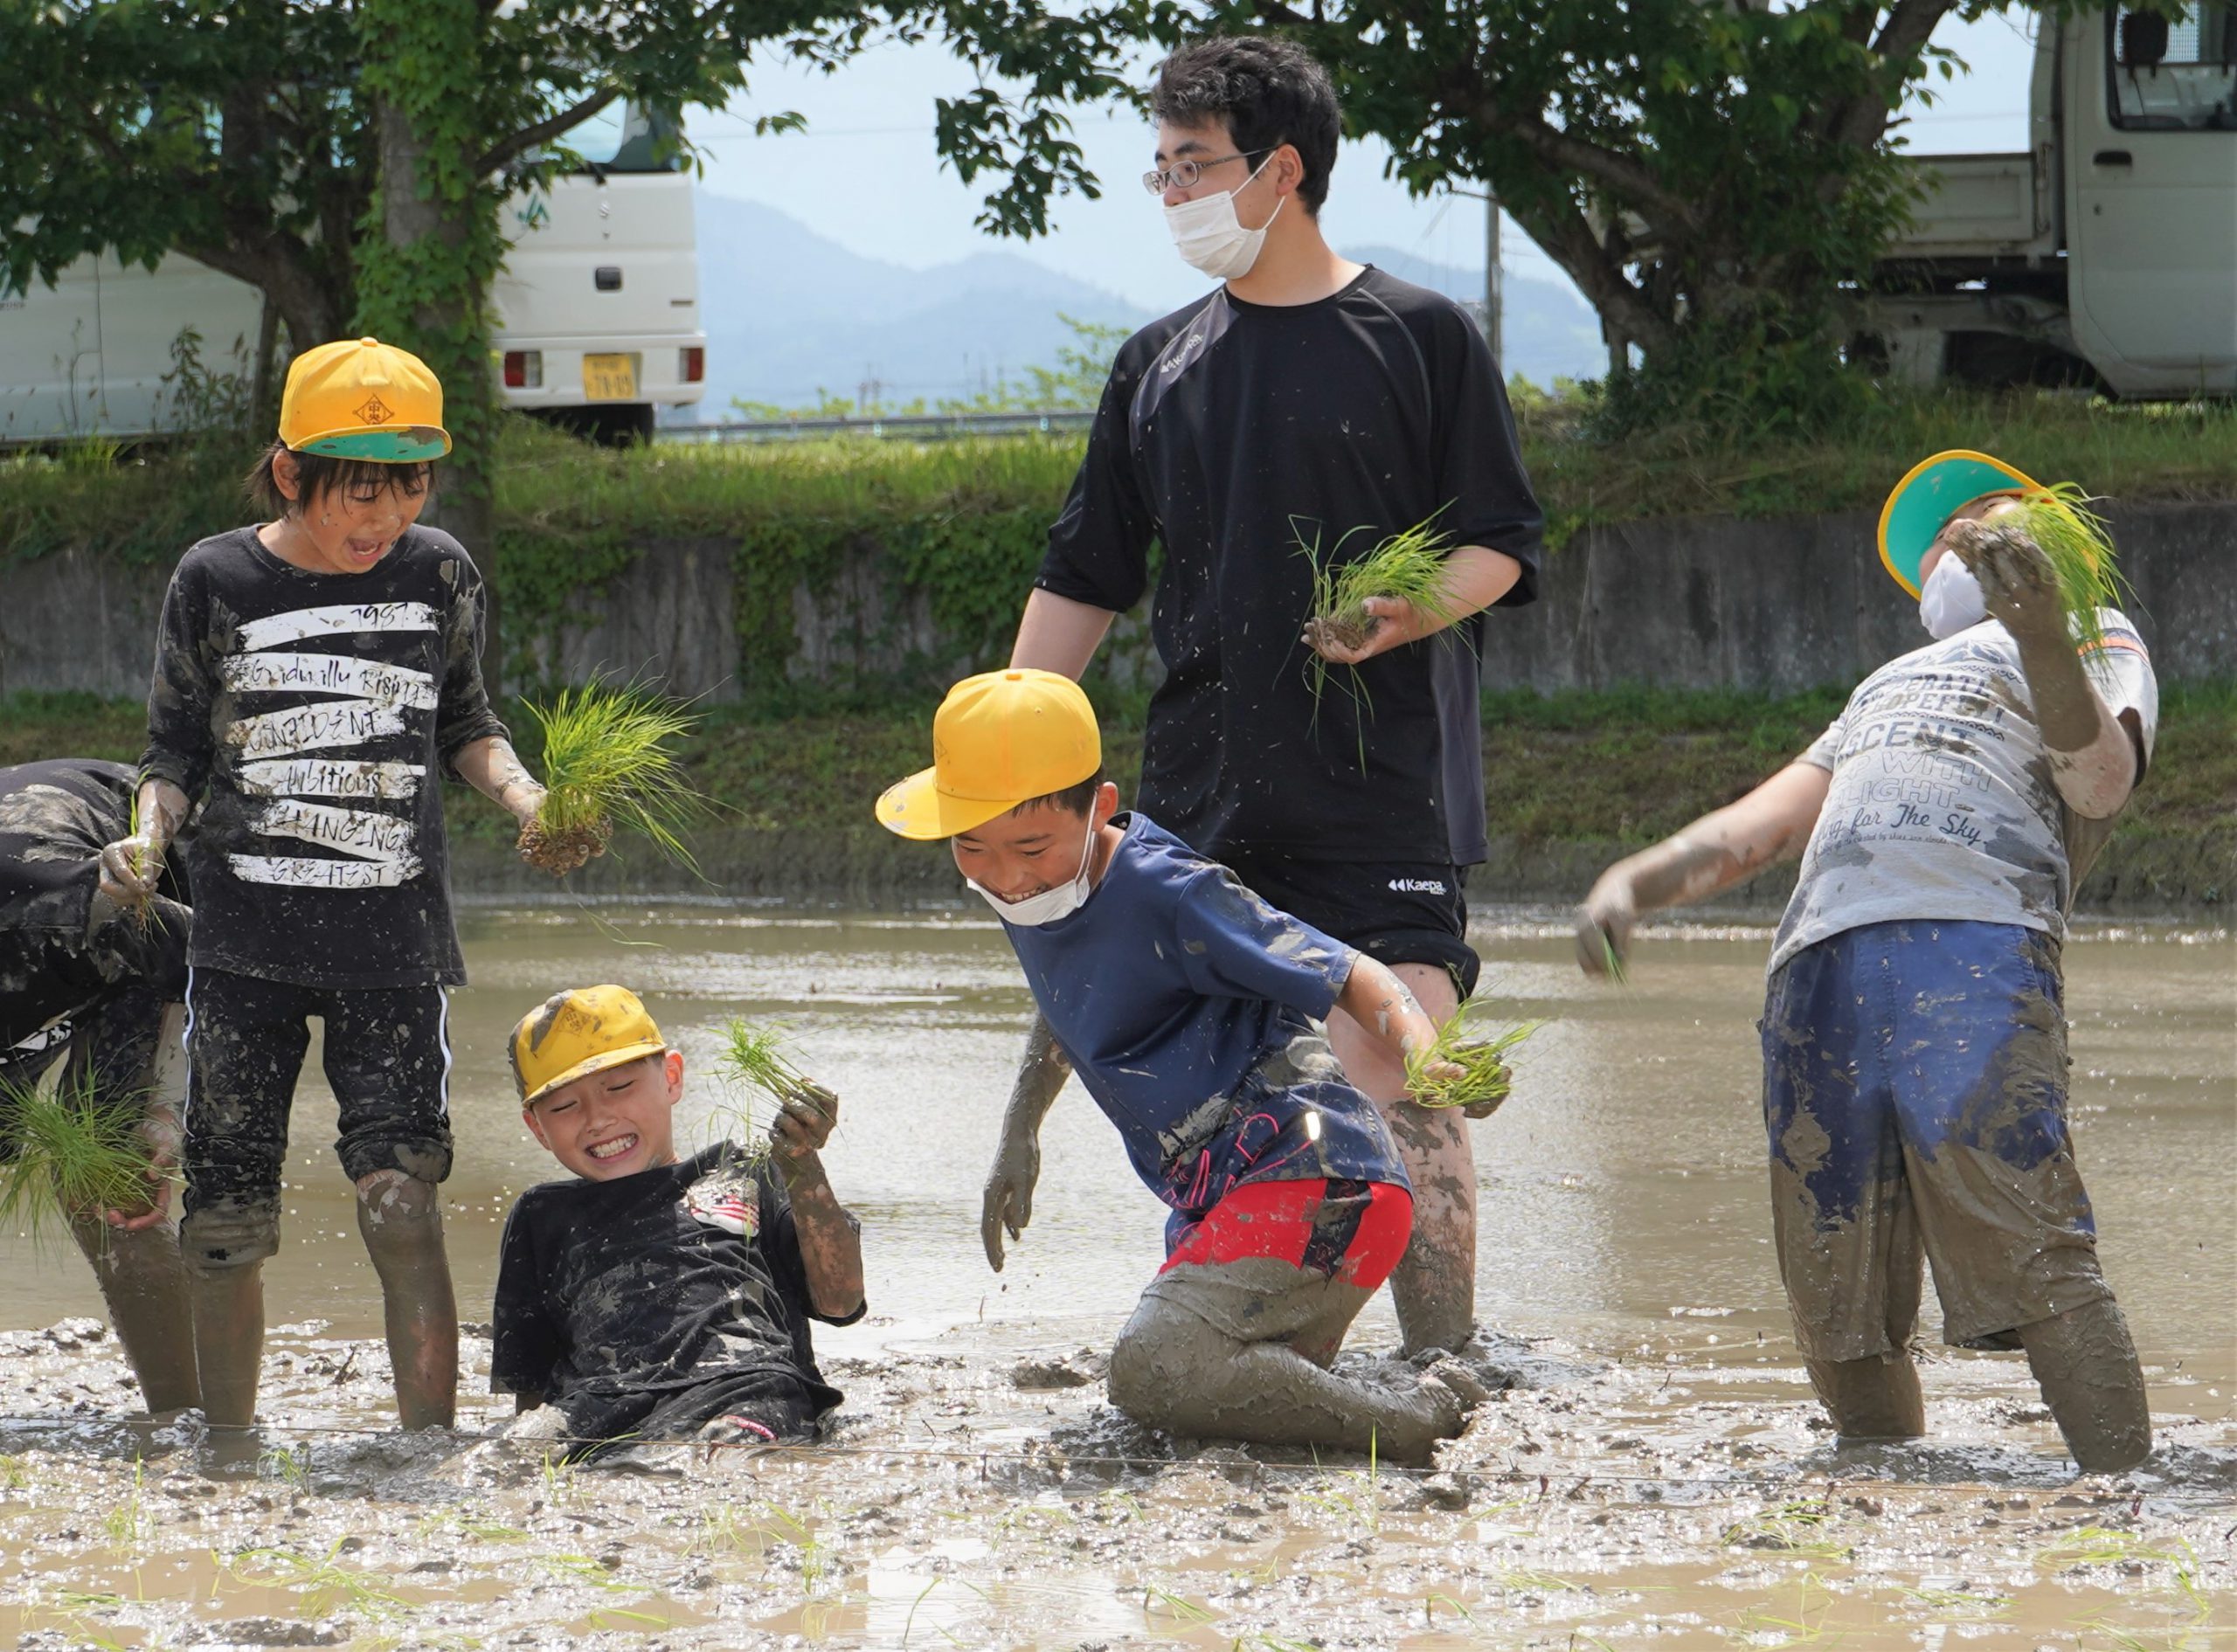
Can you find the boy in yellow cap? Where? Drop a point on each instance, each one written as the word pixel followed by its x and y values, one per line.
pixel 654 1297
pixel 1189 1009
pixel 315 674
pixel 1914 1070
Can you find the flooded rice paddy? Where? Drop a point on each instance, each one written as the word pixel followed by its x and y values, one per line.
pixel 1657 1476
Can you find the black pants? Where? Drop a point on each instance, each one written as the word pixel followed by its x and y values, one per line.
pixel 1394 911
pixel 387 1056
pixel 110 1048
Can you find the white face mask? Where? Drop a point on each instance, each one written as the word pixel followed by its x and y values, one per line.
pixel 1050 904
pixel 1210 238
pixel 1950 600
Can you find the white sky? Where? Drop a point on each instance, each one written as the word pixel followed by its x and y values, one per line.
pixel 865 173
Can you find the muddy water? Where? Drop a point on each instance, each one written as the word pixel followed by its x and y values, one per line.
pixel 1658 1470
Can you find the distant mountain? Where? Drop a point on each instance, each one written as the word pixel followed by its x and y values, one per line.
pixel 1549 331
pixel 791 314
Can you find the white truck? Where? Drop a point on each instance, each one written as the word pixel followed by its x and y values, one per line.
pixel 2106 254
pixel 597 310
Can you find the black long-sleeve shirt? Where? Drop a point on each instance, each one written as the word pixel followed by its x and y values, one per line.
pixel 312 715
pixel 1235 434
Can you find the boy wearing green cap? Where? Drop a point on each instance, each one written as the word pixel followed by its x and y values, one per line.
pixel 1915 1067
pixel 315 677
pixel 1190 1010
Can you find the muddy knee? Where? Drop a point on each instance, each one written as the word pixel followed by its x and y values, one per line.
pixel 393 1199
pixel 1158 1361
pixel 230 1234
pixel 2085 1363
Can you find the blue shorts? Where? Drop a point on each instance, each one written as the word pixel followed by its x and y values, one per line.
pixel 1914 1088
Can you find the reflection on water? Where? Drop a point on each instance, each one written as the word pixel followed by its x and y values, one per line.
pixel 1621 1197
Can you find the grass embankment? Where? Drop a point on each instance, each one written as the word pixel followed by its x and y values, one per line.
pixel 1571 780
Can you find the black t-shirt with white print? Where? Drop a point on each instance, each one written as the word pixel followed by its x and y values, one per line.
pixel 312 717
pixel 614 1296
pixel 1231 431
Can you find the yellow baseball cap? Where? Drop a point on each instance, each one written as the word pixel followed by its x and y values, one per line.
pixel 360 398
pixel 572 1035
pixel 998 739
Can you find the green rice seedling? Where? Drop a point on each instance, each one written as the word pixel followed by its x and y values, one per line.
pixel 322 1584
pixel 1408 565
pixel 1801 1527
pixel 125 1525
pixel 1177 1607
pixel 76 1155
pixel 752 1059
pixel 2075 541
pixel 610 762
pixel 1483 1079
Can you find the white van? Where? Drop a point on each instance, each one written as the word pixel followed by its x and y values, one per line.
pixel 595 313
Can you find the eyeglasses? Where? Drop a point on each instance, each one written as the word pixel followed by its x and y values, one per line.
pixel 1186 174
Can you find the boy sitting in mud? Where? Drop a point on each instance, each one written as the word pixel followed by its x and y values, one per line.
pixel 1914 1064
pixel 1189 1005
pixel 654 1298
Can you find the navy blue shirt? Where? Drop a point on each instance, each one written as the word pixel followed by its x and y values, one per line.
pixel 1187 1005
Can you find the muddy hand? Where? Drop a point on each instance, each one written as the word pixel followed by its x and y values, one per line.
pixel 1486 1108
pixel 1010 1194
pixel 804 1121
pixel 1604 930
pixel 130 868
pixel 2016 580
pixel 1390 622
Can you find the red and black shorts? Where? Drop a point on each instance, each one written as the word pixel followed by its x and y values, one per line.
pixel 1350 1232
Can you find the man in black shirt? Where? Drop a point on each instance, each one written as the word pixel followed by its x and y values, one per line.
pixel 88 983
pixel 657 1299
pixel 1308 403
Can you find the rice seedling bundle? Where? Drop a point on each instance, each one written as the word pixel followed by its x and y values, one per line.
pixel 75 1154
pixel 1408 565
pixel 754 1059
pixel 2075 541
pixel 609 762
pixel 1484 1078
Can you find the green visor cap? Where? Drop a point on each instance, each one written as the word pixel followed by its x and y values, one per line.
pixel 413 444
pixel 1934 490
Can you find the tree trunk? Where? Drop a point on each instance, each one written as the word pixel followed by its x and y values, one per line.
pixel 448 328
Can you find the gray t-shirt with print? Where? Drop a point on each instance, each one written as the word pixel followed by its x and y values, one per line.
pixel 1942 803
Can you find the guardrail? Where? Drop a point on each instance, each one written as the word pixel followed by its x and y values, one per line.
pixel 915 427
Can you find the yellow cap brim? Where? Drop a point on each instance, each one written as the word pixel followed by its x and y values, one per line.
pixel 597 1063
pixel 917 808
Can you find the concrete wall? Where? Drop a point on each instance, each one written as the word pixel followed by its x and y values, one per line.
pixel 1696 603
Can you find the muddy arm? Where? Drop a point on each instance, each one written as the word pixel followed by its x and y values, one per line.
pixel 830 1237
pixel 1382 1004
pixel 492 767
pixel 1017 1162
pixel 1772 823
pixel 2095 757
pixel 131 867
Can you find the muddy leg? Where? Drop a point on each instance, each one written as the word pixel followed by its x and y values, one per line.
pixel 401 1219
pixel 1875 1398
pixel 1172 1371
pixel 1434 1288
pixel 228 1311
pixel 2085 1365
pixel 144 1284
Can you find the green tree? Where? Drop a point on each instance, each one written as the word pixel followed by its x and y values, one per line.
pixel 1708 172
pixel 349 158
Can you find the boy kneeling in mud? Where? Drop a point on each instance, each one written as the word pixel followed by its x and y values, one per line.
pixel 1915 1064
pixel 654 1298
pixel 1187 1006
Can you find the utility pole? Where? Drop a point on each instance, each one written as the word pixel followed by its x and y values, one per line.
pixel 1494 299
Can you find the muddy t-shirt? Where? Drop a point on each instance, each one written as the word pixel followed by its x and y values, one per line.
pixel 1235 434
pixel 612 1295
pixel 312 715
pixel 1187 1005
pixel 55 819
pixel 1942 803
